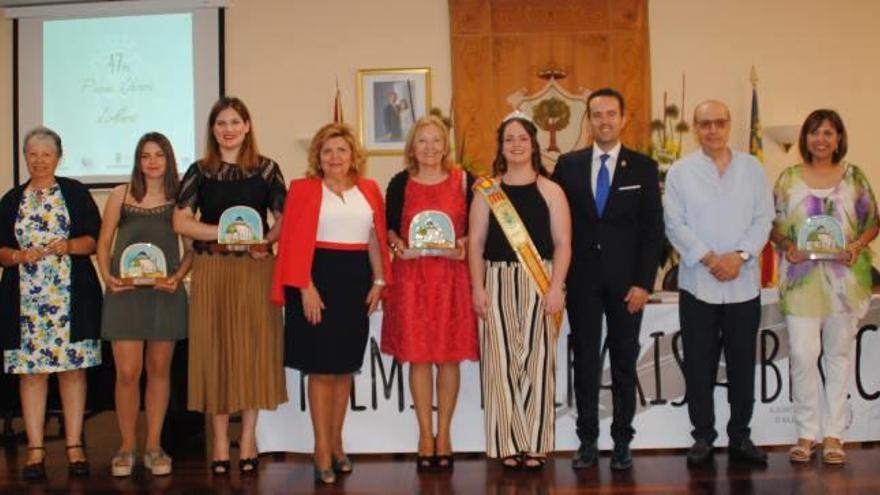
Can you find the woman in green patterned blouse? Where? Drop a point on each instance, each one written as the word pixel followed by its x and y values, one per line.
pixel 823 299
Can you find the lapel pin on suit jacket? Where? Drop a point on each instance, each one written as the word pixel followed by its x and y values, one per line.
pixel 623 163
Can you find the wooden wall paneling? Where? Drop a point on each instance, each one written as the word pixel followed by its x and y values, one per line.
pixel 470 17
pixel 631 77
pixel 498 47
pixel 629 14
pixel 474 106
pixel 554 16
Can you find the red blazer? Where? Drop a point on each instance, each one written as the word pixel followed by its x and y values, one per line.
pixel 299 229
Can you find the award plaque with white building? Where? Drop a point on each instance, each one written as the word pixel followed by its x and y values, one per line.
pixel 142 265
pixel 240 230
pixel 821 237
pixel 431 233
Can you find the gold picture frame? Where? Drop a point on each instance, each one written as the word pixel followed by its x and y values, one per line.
pixel 389 101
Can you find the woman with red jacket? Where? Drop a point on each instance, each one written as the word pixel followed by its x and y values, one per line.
pixel 330 272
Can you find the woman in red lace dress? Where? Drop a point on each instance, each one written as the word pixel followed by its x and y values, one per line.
pixel 428 320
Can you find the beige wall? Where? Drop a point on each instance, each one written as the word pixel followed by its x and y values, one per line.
pixel 808 54
pixel 283 57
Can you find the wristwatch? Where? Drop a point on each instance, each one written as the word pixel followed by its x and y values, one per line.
pixel 743 255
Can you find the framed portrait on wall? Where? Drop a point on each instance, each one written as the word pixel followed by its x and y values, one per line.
pixel 389 101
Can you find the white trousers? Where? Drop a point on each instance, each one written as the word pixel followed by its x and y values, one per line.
pixel 820 411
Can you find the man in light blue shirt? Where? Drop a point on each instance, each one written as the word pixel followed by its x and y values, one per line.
pixel 718 213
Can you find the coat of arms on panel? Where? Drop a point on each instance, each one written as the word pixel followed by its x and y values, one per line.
pixel 560 116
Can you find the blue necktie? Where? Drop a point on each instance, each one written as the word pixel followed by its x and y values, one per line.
pixel 603 184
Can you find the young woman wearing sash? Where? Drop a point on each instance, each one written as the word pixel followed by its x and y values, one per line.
pixel 518 269
pixel 151 318
pixel 235 339
pixel 428 320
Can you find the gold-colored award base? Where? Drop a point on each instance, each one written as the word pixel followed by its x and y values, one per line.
pixel 423 252
pixel 261 247
pixel 142 281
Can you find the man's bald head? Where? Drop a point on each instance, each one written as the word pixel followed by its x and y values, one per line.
pixel 712 126
pixel 711 106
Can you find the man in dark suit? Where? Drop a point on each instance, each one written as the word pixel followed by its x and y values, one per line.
pixel 617 238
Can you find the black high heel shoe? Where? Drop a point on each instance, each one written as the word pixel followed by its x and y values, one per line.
pixel 220 468
pixel 444 462
pixel 248 466
pixel 78 469
pixel 36 470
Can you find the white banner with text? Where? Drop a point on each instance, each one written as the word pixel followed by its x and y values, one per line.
pixel 381 418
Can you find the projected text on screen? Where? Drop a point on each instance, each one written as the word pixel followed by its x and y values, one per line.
pixel 107 81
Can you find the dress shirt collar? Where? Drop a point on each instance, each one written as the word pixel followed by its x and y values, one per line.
pixel 708 158
pixel 612 155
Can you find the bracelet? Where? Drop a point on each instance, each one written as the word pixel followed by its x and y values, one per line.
pixel 16 256
pixel 379 282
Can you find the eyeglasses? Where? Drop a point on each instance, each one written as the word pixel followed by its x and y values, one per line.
pixel 705 125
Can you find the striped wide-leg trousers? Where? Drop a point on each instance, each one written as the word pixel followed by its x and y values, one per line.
pixel 518 352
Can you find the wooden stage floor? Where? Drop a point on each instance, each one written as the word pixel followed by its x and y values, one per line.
pixel 656 472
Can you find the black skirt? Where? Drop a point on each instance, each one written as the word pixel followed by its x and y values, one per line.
pixel 337 344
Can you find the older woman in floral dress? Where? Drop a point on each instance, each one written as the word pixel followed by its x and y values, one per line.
pixel 50 297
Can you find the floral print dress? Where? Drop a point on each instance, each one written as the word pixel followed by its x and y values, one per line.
pixel 823 288
pixel 45 292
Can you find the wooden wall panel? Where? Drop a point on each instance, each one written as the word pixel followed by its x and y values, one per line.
pixel 529 16
pixel 499 46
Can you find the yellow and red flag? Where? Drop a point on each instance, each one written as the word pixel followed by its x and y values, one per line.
pixel 756 148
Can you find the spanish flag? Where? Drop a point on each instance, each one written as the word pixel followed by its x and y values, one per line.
pixel 756 148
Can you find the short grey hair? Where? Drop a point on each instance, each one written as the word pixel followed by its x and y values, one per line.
pixel 43 133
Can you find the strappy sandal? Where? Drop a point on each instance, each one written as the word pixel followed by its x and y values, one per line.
pixel 802 452
pixel 80 468
pixel 35 470
pixel 512 462
pixel 534 461
pixel 122 464
pixel 832 451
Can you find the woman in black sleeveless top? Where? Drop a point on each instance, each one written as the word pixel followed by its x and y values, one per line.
pixel 519 332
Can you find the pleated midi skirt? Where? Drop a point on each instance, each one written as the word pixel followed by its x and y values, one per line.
pixel 235 336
